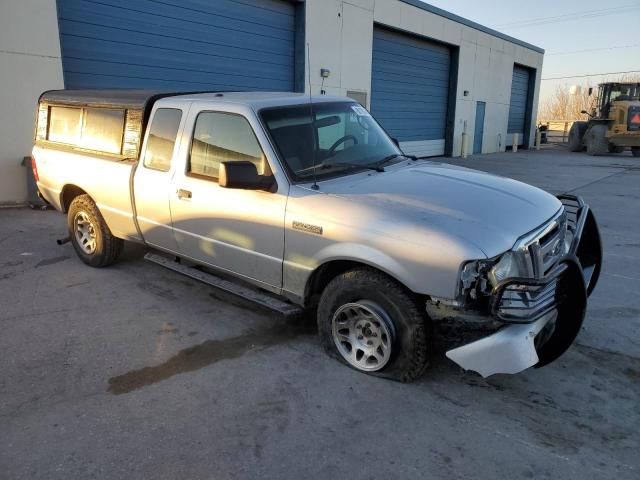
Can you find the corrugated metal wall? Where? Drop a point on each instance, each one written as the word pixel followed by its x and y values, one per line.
pixel 410 87
pixel 178 44
pixel 519 101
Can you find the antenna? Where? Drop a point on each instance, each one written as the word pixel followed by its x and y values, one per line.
pixel 313 138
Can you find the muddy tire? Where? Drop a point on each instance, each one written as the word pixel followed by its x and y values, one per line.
pixel 90 235
pixel 635 151
pixel 373 324
pixel 596 140
pixel 615 149
pixel 576 136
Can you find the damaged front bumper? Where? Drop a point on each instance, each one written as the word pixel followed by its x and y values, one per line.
pixel 541 317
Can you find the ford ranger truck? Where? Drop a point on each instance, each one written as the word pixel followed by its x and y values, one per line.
pixel 309 202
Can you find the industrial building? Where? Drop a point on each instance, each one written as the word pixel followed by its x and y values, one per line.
pixel 426 74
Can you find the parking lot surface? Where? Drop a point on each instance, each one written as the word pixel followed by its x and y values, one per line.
pixel 134 371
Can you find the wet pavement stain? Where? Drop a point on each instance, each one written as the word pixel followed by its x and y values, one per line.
pixel 209 352
pixel 51 261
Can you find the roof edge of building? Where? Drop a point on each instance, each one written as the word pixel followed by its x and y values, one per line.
pixel 456 18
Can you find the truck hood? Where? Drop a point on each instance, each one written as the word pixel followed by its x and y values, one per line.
pixel 486 210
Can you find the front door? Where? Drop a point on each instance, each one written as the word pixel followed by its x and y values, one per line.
pixel 239 231
pixel 479 128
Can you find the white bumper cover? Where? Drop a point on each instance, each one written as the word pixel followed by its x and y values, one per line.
pixel 510 350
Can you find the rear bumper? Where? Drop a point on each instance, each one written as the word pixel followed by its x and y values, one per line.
pixel 541 317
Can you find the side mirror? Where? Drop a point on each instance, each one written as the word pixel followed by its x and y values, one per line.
pixel 243 175
pixel 395 141
pixel 590 90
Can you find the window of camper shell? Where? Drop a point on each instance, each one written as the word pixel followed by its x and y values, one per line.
pixel 99 129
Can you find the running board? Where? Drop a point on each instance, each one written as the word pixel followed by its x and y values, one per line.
pixel 264 299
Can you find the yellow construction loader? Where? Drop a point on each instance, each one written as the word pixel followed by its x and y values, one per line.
pixel 614 122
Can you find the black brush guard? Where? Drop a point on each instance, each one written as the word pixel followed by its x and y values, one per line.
pixel 565 289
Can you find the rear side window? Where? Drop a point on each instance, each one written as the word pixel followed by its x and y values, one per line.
pixel 99 129
pixel 65 125
pixel 162 138
pixel 102 130
pixel 223 137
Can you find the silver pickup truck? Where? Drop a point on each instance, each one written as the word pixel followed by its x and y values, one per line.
pixel 309 202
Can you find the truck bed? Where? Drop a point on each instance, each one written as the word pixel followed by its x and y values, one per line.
pixel 106 180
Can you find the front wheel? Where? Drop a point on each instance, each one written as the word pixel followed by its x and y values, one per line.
pixel 596 140
pixel 576 136
pixel 90 235
pixel 373 324
pixel 635 151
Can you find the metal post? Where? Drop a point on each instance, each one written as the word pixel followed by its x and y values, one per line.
pixel 514 145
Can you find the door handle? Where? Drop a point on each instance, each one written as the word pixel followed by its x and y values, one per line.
pixel 184 194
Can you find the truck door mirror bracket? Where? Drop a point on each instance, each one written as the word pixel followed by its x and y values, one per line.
pixel 243 175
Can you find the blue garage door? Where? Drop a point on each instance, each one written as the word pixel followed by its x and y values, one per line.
pixel 178 44
pixel 519 100
pixel 410 90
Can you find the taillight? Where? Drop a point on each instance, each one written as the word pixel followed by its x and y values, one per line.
pixel 34 167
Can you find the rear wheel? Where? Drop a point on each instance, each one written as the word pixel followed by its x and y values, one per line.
pixel 635 151
pixel 596 140
pixel 90 235
pixel 373 324
pixel 576 136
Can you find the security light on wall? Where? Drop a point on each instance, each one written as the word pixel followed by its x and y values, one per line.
pixel 324 73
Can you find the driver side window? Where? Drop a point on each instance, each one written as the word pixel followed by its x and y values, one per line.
pixel 223 137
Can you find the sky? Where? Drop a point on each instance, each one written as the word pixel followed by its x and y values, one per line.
pixel 580 37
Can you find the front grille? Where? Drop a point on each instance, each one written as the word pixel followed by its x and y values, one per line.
pixel 543 248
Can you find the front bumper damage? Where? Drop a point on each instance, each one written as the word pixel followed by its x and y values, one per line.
pixel 541 318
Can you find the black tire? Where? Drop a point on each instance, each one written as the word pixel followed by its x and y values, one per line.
pixel 635 151
pixel 411 343
pixel 614 149
pixel 106 248
pixel 596 140
pixel 576 136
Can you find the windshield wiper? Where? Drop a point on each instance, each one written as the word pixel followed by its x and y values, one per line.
pixel 323 165
pixel 388 158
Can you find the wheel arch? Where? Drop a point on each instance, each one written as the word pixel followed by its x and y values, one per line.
pixel 68 194
pixel 331 268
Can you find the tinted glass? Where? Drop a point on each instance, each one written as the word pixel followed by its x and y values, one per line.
pixel 223 137
pixel 162 138
pixel 65 125
pixel 102 130
pixel 342 138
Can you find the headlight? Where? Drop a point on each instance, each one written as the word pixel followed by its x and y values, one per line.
pixel 509 266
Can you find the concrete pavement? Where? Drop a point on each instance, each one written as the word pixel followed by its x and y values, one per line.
pixel 136 372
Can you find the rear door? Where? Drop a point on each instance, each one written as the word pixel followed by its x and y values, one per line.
pixel 152 180
pixel 239 231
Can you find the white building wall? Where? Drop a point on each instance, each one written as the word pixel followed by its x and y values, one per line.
pixel 29 64
pixel 340 36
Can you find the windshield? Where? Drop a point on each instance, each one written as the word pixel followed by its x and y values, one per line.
pixel 625 92
pixel 342 138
